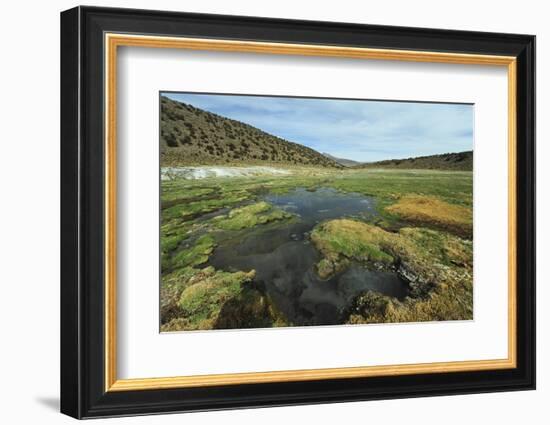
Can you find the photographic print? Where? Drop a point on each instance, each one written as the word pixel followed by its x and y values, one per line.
pixel 318 196
pixel 291 211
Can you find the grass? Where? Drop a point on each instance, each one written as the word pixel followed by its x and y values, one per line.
pixel 389 186
pixel 430 211
pixel 171 191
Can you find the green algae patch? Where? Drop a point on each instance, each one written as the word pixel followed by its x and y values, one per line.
pixel 250 216
pixel 195 255
pixel 437 265
pixel 430 211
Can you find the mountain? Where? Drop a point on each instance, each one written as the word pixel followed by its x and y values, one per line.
pixel 342 161
pixel 459 161
pixel 192 136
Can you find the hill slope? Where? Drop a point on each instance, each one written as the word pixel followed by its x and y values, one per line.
pixel 192 136
pixel 342 161
pixel 459 161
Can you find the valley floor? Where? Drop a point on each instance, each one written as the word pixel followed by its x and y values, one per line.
pixel 250 247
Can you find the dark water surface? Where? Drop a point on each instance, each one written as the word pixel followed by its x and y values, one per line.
pixel 284 258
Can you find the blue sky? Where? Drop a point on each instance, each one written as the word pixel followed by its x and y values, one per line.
pixel 359 130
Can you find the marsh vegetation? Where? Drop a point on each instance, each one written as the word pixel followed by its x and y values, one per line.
pixel 315 246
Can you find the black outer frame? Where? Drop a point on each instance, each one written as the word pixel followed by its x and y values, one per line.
pixel 82 212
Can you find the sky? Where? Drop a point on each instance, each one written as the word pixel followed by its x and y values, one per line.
pixel 361 130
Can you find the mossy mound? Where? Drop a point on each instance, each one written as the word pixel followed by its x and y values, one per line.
pixel 431 211
pixel 437 265
pixel 343 239
pixel 193 299
pixel 202 302
pixel 195 255
pixel 171 288
pixel 250 216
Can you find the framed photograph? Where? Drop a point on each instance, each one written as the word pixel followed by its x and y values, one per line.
pixel 261 212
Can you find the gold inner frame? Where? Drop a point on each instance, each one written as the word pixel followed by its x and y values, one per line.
pixel 113 41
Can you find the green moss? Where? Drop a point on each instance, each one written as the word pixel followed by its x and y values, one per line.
pixel 195 255
pixel 202 302
pixel 189 208
pixel 349 239
pixel 171 238
pixel 171 288
pixel 250 216
pixel 170 243
pixel 193 299
pixel 182 276
pixel 202 298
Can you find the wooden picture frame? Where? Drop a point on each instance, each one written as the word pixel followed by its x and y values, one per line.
pixel 90 38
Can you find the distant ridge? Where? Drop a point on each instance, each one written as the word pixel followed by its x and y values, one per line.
pixel 192 136
pixel 342 161
pixel 459 161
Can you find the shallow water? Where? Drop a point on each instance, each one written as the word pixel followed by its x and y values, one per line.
pixel 284 258
pixel 314 206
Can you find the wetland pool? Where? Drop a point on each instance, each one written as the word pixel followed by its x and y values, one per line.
pixel 284 258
